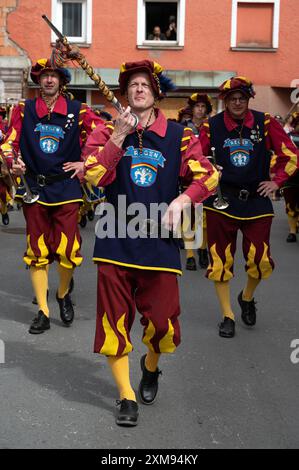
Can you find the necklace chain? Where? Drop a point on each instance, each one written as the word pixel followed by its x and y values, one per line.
pixel 49 103
pixel 141 131
pixel 240 133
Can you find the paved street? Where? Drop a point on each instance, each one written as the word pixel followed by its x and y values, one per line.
pixel 214 392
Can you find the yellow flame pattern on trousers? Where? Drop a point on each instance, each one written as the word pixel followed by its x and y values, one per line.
pixel 111 343
pixel 61 251
pixel 221 271
pixel 30 257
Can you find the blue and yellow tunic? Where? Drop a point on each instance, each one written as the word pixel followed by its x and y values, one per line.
pixel 170 152
pixel 45 145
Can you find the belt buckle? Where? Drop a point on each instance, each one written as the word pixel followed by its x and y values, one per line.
pixel 243 194
pixel 41 180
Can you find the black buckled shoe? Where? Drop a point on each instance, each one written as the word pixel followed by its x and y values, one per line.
pixel 291 238
pixel 248 314
pixel 227 328
pixel 5 219
pixel 148 387
pixel 66 309
pixel 127 415
pixel 39 324
pixel 191 264
pixel 203 259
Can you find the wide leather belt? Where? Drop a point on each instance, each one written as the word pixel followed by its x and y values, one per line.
pixel 44 180
pixel 241 193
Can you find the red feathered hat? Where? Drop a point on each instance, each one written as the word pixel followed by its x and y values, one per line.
pixel 242 84
pixel 201 98
pixel 45 64
pixel 187 111
pixel 160 83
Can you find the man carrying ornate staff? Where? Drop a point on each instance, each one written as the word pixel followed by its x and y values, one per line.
pixel 243 139
pixel 143 163
pixel 48 132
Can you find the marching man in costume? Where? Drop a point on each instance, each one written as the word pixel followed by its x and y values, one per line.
pixel 242 139
pixel 201 107
pixel 48 132
pixel 290 189
pixel 144 164
pixel 5 196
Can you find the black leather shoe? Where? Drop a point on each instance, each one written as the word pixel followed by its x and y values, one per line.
pixel 191 264
pixel 34 300
pixel 66 309
pixel 5 219
pixel 90 215
pixel 83 221
pixel 248 314
pixel 291 238
pixel 39 324
pixel 227 328
pixel 127 415
pixel 148 387
pixel 203 259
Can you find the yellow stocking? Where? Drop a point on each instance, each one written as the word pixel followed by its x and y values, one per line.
pixel 189 254
pixel 292 223
pixel 250 288
pixel 151 361
pixel 204 239
pixel 39 279
pixel 65 276
pixel 223 293
pixel 120 370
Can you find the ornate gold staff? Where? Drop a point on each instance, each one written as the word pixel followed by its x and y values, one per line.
pixel 74 53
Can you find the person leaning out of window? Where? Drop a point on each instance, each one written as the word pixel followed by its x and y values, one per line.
pixel 157 35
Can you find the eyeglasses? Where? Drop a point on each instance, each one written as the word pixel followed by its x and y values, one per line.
pixel 241 99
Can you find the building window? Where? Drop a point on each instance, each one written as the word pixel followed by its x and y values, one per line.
pixel 255 24
pixel 74 19
pixel 160 24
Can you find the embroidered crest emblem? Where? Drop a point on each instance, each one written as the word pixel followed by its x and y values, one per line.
pixel 239 152
pixel 49 137
pixel 144 166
